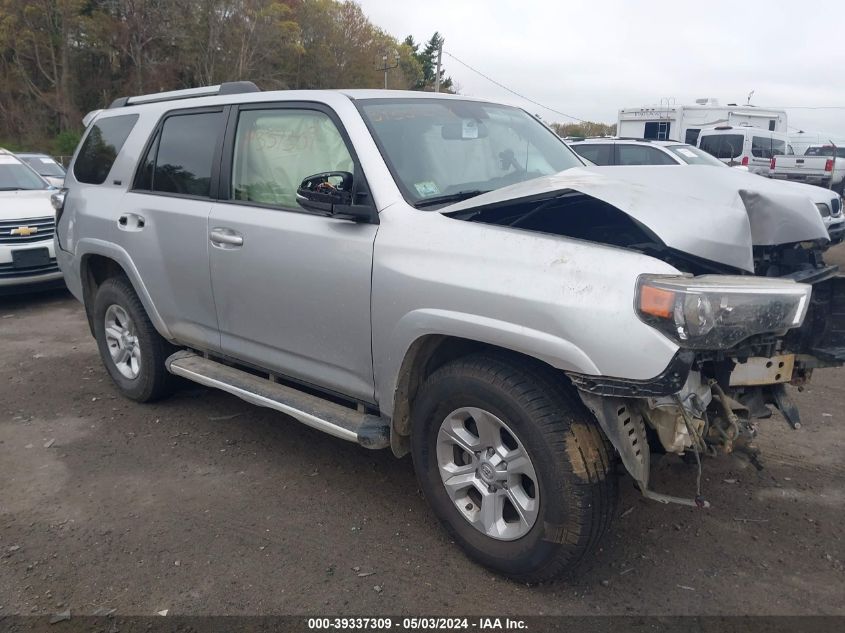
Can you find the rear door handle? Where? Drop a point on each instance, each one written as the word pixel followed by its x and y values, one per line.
pixel 225 238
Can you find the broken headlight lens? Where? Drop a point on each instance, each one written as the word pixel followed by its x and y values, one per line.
pixel 719 311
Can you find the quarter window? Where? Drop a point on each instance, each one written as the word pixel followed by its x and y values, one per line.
pixel 101 147
pixel 181 157
pixel 275 150
pixel 598 153
pixel 641 155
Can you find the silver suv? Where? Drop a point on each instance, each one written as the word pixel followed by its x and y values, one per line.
pixel 445 277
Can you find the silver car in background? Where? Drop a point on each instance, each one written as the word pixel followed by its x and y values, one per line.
pixel 443 276
pixel 46 166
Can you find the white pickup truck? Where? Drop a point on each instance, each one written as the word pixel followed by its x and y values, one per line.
pixel 822 165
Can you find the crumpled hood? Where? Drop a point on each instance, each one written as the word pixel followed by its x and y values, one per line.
pixel 26 205
pixel 713 213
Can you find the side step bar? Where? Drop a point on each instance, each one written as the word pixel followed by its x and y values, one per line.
pixel 370 431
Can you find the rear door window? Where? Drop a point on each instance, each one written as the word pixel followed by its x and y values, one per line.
pixel 641 155
pixel 724 146
pixel 181 157
pixel 101 147
pixel 600 153
pixel 766 147
pixel 827 150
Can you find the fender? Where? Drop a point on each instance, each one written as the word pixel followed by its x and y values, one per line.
pixel 543 346
pixel 92 246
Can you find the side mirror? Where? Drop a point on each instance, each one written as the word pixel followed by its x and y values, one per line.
pixel 331 192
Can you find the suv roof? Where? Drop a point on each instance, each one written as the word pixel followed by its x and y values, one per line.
pixel 248 87
pixel 247 92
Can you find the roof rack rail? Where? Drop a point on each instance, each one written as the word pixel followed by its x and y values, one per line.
pixel 226 88
pixel 642 139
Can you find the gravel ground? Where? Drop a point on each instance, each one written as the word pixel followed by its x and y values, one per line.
pixel 202 504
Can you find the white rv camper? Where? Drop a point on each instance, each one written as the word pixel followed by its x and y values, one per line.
pixel 683 123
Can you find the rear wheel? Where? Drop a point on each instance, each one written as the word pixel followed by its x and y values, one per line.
pixel 513 465
pixel 130 347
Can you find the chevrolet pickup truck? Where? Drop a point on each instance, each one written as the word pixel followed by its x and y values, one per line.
pixel 822 165
pixel 443 276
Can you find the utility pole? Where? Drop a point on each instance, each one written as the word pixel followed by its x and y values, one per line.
pixel 439 60
pixel 385 66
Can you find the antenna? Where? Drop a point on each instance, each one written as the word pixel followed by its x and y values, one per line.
pixel 386 67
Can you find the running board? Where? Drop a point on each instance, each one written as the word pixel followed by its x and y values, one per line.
pixel 370 431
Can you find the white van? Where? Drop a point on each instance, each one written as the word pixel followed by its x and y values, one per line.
pixel 748 146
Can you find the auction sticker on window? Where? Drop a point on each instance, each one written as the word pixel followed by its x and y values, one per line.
pixel 426 188
pixel 469 128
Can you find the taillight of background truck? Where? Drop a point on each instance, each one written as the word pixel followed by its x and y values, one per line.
pixel 772 163
pixel 828 164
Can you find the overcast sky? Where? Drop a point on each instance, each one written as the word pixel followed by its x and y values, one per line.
pixel 589 58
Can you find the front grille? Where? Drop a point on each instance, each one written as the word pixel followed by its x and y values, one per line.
pixel 45 229
pixel 8 270
pixel 835 207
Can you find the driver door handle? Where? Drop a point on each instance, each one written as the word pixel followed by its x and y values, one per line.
pixel 225 238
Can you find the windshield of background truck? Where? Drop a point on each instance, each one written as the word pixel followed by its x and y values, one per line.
pixel 446 147
pixel 15 176
pixel 44 165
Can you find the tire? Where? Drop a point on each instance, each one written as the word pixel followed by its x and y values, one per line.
pixel 117 302
pixel 575 485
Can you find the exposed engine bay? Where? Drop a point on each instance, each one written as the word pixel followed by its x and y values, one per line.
pixel 711 398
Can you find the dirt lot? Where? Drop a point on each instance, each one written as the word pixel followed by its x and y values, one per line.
pixel 202 504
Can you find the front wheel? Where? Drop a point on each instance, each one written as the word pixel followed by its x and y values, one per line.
pixel 513 465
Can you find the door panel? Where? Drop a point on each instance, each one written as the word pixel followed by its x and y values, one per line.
pixel 292 288
pixel 163 223
pixel 170 250
pixel 294 297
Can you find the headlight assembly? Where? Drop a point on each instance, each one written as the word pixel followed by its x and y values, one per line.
pixel 718 311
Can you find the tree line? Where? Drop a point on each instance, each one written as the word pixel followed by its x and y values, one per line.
pixel 62 58
pixel 584 129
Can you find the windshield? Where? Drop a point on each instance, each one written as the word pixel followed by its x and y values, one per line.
pixel 441 151
pixel 44 165
pixel 694 156
pixel 14 175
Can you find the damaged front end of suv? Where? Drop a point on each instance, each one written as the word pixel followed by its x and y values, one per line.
pixel 753 307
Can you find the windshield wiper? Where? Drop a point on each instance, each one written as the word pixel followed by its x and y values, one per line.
pixel 12 189
pixel 449 197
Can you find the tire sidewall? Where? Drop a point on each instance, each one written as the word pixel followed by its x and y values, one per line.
pixel 518 556
pixel 117 292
